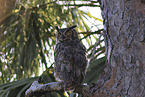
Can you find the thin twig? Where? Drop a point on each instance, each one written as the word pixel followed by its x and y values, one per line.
pixel 94 48
pixel 91 34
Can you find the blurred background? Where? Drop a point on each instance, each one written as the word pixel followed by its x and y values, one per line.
pixel 27 41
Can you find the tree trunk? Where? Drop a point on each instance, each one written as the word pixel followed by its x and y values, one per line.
pixel 124 75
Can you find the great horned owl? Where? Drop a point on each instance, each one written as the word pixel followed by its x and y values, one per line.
pixel 70 58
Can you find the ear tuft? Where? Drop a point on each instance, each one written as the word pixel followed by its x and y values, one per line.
pixel 71 27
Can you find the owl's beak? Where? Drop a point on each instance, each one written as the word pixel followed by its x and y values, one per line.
pixel 62 37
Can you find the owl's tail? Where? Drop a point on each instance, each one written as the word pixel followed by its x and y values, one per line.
pixel 70 86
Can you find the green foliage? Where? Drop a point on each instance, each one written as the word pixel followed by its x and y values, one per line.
pixel 16 88
pixel 27 40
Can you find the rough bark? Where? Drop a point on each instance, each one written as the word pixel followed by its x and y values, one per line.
pixel 124 35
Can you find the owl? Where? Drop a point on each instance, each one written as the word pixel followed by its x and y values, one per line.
pixel 70 58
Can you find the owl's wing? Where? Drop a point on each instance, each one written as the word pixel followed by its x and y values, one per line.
pixel 63 56
pixel 80 60
pixel 70 62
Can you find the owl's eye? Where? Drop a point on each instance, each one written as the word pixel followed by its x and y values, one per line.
pixel 68 33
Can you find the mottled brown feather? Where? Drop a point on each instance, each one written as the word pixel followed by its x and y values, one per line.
pixel 70 58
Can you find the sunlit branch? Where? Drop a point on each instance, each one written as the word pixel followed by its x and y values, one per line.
pixel 90 33
pixel 80 5
pixel 94 48
pixel 38 89
pixel 76 5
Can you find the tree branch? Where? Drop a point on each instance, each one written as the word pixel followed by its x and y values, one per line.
pixel 90 33
pixel 38 89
